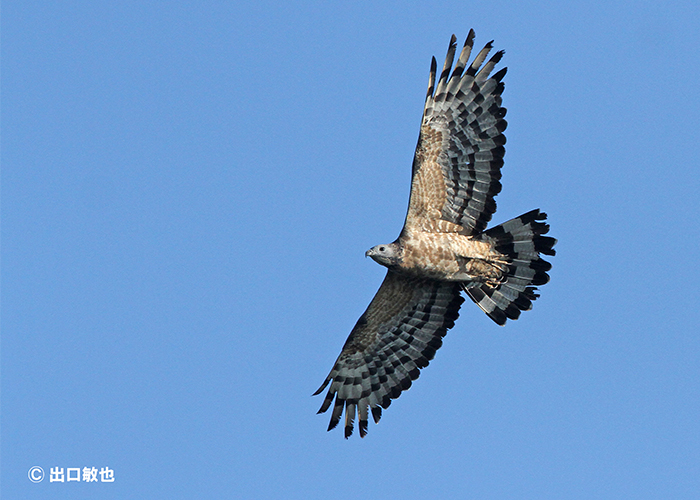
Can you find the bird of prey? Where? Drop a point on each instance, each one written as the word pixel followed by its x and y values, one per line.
pixel 444 247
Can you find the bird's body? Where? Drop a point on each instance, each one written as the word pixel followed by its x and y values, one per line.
pixel 445 256
pixel 444 248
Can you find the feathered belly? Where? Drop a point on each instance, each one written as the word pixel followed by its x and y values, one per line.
pixel 452 257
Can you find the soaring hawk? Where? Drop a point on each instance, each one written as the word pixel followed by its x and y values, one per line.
pixel 444 247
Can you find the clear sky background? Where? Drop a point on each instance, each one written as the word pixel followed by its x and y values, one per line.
pixel 188 190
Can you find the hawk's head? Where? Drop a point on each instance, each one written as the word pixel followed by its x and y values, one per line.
pixel 388 255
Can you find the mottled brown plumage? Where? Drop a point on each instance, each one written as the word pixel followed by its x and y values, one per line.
pixel 443 248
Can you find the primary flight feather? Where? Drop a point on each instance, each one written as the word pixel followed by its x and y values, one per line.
pixel 444 247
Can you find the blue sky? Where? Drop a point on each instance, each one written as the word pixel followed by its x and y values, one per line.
pixel 188 190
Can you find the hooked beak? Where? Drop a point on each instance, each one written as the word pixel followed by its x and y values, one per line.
pixel 368 252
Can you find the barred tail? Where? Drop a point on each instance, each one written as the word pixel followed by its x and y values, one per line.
pixel 521 240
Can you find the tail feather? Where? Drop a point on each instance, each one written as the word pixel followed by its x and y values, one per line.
pixel 521 240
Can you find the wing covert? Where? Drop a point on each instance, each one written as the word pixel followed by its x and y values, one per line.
pixel 396 336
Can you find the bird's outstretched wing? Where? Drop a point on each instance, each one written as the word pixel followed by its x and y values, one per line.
pixel 458 159
pixel 396 336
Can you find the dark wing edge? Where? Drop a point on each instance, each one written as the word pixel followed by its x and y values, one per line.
pixel 396 336
pixel 464 107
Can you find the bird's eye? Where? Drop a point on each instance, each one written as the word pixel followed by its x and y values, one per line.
pixel 381 249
